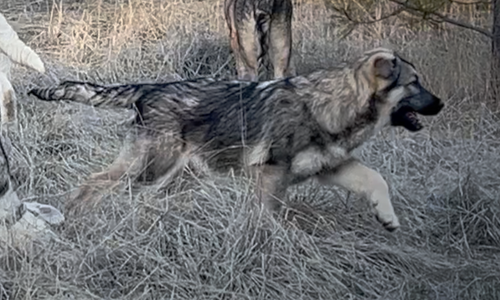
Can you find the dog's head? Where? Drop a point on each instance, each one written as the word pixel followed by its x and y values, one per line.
pixel 396 83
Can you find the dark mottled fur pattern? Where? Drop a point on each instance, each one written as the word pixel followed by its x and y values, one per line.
pixel 257 28
pixel 283 131
pixel 5 176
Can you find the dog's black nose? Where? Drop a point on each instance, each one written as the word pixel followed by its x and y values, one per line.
pixel 439 105
pixel 433 109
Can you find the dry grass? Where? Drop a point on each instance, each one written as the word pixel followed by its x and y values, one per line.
pixel 199 239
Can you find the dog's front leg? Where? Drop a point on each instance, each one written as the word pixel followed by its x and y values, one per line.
pixel 362 180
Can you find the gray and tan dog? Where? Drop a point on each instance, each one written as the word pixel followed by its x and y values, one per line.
pixel 283 131
pixel 257 28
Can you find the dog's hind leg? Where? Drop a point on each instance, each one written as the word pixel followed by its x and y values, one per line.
pixel 131 161
pixel 271 185
pixel 362 180
pixel 176 164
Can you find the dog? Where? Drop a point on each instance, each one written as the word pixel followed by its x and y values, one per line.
pixel 257 28
pixel 282 132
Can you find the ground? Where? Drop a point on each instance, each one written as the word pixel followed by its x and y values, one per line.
pixel 199 238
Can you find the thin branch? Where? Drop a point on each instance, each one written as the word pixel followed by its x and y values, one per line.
pixel 344 12
pixel 358 22
pixel 470 3
pixel 446 19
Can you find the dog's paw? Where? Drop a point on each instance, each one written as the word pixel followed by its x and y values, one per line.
pixel 389 221
pixel 46 212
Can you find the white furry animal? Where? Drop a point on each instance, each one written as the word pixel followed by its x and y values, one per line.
pixel 20 222
pixel 12 48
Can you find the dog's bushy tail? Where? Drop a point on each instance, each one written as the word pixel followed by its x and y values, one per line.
pixel 89 93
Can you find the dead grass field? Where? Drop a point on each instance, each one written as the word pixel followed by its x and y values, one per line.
pixel 199 239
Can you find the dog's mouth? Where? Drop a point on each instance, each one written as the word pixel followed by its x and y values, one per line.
pixel 406 113
pixel 406 117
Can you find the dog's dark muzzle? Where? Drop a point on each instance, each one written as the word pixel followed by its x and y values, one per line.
pixel 423 102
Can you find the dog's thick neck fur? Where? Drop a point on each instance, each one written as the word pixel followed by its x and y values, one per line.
pixel 352 110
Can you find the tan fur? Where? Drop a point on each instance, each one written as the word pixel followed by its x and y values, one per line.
pixel 257 28
pixel 281 132
pixel 258 154
pixel 364 181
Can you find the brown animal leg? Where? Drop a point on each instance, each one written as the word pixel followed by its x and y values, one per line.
pixel 280 46
pixel 246 47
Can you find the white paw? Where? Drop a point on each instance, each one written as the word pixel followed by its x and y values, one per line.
pixel 46 212
pixel 389 220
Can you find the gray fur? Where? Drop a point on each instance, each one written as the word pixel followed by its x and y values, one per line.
pixel 283 131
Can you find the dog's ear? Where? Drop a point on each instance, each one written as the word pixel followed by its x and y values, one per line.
pixel 385 67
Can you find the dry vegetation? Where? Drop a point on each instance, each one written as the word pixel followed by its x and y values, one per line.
pixel 199 239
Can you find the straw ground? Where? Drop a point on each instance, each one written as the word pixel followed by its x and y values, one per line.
pixel 199 239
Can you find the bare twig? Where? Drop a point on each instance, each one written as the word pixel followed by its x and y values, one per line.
pixel 470 2
pixel 445 18
pixel 351 19
pixel 359 22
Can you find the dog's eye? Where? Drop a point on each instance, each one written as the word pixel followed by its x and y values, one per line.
pixel 415 81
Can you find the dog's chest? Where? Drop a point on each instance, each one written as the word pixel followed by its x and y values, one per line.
pixel 357 138
pixel 313 159
pixel 327 151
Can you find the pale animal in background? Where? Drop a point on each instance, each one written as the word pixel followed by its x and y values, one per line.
pixel 20 222
pixel 12 48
